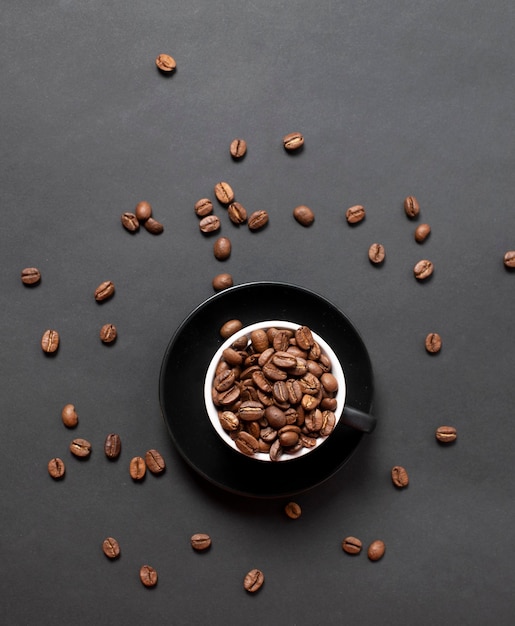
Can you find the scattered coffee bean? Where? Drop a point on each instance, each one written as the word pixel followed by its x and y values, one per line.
pixel 155 462
pixel 69 416
pixel 446 434
pixel 111 548
pixel 148 576
pixel 108 333
pixel 143 211
pixel 304 215
pixel 222 281
pixel 509 259
pixel 293 510
pixel 209 224
pixel 376 550
pixel 166 63
pixel 230 327
pixel 130 222
pixel 238 148
pixel 355 214
pixel 137 468
pixel 433 343
pixel 200 541
pixel 237 213
pixel 203 207
pixel 422 232
pixel 423 269
pixel 112 446
pixel 411 206
pixel 400 476
pixel 258 219
pixel 30 276
pixel 224 193
pixel 50 341
pixel 153 226
pixel 253 580
pixel 80 448
pixel 56 468
pixel 222 248
pixel 351 545
pixel 104 291
pixel 376 253
pixel 293 141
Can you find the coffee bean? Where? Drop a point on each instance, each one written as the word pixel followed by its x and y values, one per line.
pixel 80 448
pixel 155 462
pixel 30 276
pixel 69 416
pixel 224 193
pixel 222 281
pixel 104 291
pixel 253 580
pixel 222 248
pixel 376 253
pixel 399 476
pixel 446 434
pixel 209 224
pixel 130 222
pixel 148 575
pixel 108 333
pixel 112 446
pixel 423 269
pixel 111 548
pixel 230 327
pixel 293 510
pixel 238 148
pixel 509 259
pixel 355 214
pixel 351 545
pixel 411 206
pixel 143 211
pixel 422 232
pixel 433 343
pixel 293 141
pixel 237 213
pixel 258 219
pixel 166 63
pixel 137 468
pixel 50 341
pixel 376 550
pixel 203 207
pixel 200 541
pixel 304 215
pixel 153 226
pixel 56 468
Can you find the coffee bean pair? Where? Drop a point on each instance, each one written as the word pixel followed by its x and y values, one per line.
pixel 142 216
pixel 353 545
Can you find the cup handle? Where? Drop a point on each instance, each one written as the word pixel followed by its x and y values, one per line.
pixel 354 418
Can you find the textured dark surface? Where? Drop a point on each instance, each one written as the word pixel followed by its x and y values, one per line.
pixel 393 98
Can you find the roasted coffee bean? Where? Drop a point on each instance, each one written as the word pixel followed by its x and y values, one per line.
pixel 56 468
pixel 224 193
pixel 446 434
pixel 111 548
pixel 238 148
pixel 237 213
pixel 155 462
pixel 143 211
pixel 137 468
pixel 112 446
pixel 376 550
pixel 200 541
pixel 355 214
pixel 251 410
pixel 80 447
pixel 232 357
pixel 253 580
pixel 130 222
pixel 258 219
pixel 509 259
pixel 411 206
pixel 30 276
pixel 284 360
pixel 148 576
pixel 246 443
pixel 433 343
pixel 108 333
pixel 304 215
pixel 50 341
pixel 259 340
pixel 328 423
pixel 222 281
pixel 329 382
pixel 104 291
pixel 423 269
pixel 222 248
pixel 304 338
pixel 229 420
pixel 376 253
pixel 203 207
pixel 351 545
pixel 231 327
pixel 399 476
pixel 209 224
pixel 153 226
pixel 276 450
pixel 69 416
pixel 293 510
pixel 422 232
pixel 293 141
pixel 166 63
pixel 229 397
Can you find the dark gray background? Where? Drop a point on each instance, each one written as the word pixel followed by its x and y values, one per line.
pixel 393 98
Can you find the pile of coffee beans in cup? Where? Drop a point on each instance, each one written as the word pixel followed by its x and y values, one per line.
pixel 274 392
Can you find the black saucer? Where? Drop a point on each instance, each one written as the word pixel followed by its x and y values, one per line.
pixel 184 368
